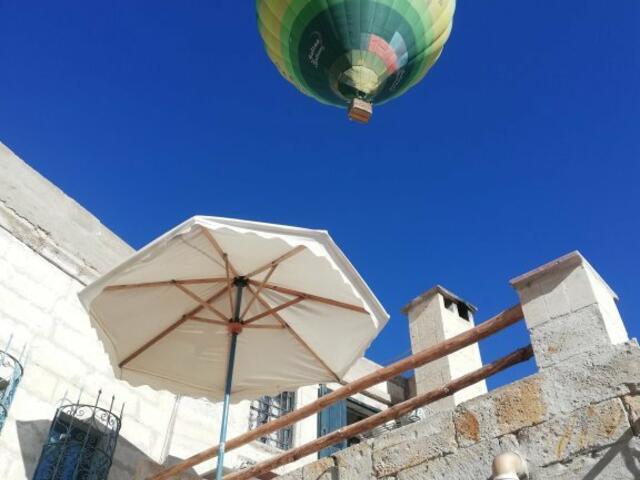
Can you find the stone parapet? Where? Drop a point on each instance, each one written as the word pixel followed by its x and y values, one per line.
pixel 568 423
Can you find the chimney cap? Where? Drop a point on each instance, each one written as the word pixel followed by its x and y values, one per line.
pixel 569 260
pixel 433 291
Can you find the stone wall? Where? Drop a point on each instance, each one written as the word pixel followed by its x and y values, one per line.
pixel 577 418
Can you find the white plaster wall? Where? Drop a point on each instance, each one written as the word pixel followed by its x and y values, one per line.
pixel 378 396
pixel 307 429
pixel 38 304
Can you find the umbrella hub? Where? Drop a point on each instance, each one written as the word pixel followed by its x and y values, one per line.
pixel 240 281
pixel 235 328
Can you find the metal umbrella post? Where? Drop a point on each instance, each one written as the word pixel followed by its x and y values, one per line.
pixel 235 327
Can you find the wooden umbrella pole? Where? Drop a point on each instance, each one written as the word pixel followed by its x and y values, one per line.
pixel 484 330
pixel 378 419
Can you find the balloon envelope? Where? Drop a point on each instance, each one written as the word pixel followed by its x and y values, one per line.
pixel 338 50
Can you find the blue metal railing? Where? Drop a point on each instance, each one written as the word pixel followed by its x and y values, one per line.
pixel 11 371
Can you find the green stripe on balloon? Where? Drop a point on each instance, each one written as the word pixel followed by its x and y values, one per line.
pixel 385 22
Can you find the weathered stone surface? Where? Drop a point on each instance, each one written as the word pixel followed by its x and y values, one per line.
pixel 519 405
pixel 467 426
pixel 632 404
pixel 293 475
pixel 323 469
pixel 589 428
pixel 355 463
pixel 619 462
pixel 502 411
pixel 472 463
pixel 599 375
pixel 411 445
pixel 568 336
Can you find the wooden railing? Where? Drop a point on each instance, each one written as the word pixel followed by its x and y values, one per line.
pixel 391 413
pixel 484 330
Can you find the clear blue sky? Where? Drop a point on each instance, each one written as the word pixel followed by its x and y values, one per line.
pixel 521 145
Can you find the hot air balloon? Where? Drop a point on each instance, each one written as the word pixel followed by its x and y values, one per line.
pixel 354 53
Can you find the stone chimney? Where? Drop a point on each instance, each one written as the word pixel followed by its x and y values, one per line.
pixel 435 316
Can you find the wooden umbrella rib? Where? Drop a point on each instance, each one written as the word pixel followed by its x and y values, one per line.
pixel 199 281
pixel 212 298
pixel 153 341
pixel 138 285
pixel 311 351
pixel 260 287
pixel 273 310
pixel 276 261
pixel 216 246
pixel 202 302
pixel 195 318
pixel 266 327
pixel 169 329
pixel 164 283
pixel 277 316
pixel 312 297
pixel 227 269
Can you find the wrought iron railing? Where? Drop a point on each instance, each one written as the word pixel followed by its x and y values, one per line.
pixel 11 371
pixel 399 422
pixel 266 409
pixel 81 443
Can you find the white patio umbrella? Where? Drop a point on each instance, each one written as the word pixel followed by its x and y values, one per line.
pixel 223 308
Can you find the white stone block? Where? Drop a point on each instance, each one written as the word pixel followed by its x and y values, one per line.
pixel 568 309
pixel 25 312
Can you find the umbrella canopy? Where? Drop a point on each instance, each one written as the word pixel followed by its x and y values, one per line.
pixel 164 315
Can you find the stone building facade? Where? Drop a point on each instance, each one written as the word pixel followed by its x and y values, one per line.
pixel 578 417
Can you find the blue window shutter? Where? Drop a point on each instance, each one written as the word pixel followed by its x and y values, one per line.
pixel 68 452
pixel 330 419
